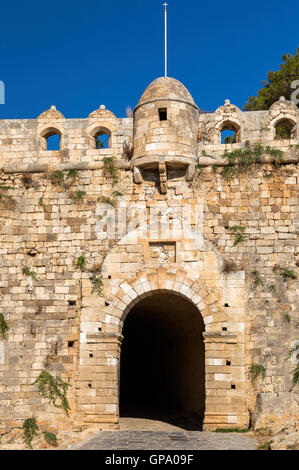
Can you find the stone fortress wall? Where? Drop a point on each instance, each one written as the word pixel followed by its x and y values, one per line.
pixel 58 323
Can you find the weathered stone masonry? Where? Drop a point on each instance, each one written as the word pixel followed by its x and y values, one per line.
pixel 250 310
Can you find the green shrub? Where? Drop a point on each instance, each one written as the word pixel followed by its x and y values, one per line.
pixel 110 168
pixel 51 438
pixel 53 388
pixel 97 285
pixel 3 327
pixel 288 273
pixel 256 370
pixel 27 272
pixel 57 177
pixel 78 195
pixel 72 174
pixel 80 262
pixel 240 161
pixel 241 430
pixel 265 446
pixel 257 280
pixel 30 429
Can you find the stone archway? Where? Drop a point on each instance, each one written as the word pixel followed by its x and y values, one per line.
pixel 162 366
pixel 220 301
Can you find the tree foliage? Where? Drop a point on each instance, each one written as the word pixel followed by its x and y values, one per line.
pixel 278 84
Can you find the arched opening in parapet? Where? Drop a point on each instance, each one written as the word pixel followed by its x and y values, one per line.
pixel 230 132
pixel 285 129
pixel 162 367
pixel 51 139
pixel 102 138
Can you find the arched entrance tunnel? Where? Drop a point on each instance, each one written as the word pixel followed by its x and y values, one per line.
pixel 162 371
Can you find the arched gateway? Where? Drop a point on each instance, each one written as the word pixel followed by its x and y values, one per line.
pixel 162 366
pixel 170 344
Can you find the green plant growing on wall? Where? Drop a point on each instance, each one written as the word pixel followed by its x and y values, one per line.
pixel 227 430
pixel 72 174
pixel 206 154
pixel 41 202
pixel 80 262
pixel 97 285
pixel 57 177
pixel 53 388
pixel 271 288
pixel 30 429
pixel 238 231
pixel 51 438
pixel 199 167
pixel 263 431
pixel 78 195
pixel 288 273
pixel 6 200
pixel 30 432
pixel 257 280
pixel 240 161
pixel 27 272
pixel 110 168
pixel 238 239
pixel 287 317
pixel 117 194
pixel 265 446
pixel 237 228
pixel 255 370
pixel 3 327
pixel 105 200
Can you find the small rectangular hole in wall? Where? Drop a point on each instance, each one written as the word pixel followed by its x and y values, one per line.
pixel 71 303
pixel 70 344
pixel 224 328
pixel 233 386
pixel 163 114
pixel 90 355
pixel 89 385
pixel 226 305
pixel 107 304
pixel 100 328
pixel 228 363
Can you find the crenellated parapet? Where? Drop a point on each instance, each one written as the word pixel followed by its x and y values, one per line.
pixel 25 141
pixel 276 127
pixel 167 132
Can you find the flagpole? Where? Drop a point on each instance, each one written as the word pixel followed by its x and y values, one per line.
pixel 165 20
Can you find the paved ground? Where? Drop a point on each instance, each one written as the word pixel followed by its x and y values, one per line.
pixel 135 434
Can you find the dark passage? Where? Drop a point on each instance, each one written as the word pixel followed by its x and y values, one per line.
pixel 162 360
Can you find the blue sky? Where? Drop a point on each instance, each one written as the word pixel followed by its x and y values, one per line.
pixel 78 55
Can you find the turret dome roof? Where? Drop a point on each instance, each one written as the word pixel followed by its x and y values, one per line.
pixel 166 88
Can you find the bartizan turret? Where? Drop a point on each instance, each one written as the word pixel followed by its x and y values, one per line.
pixel 165 130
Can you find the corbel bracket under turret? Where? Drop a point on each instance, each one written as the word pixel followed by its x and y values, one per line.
pixel 163 177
